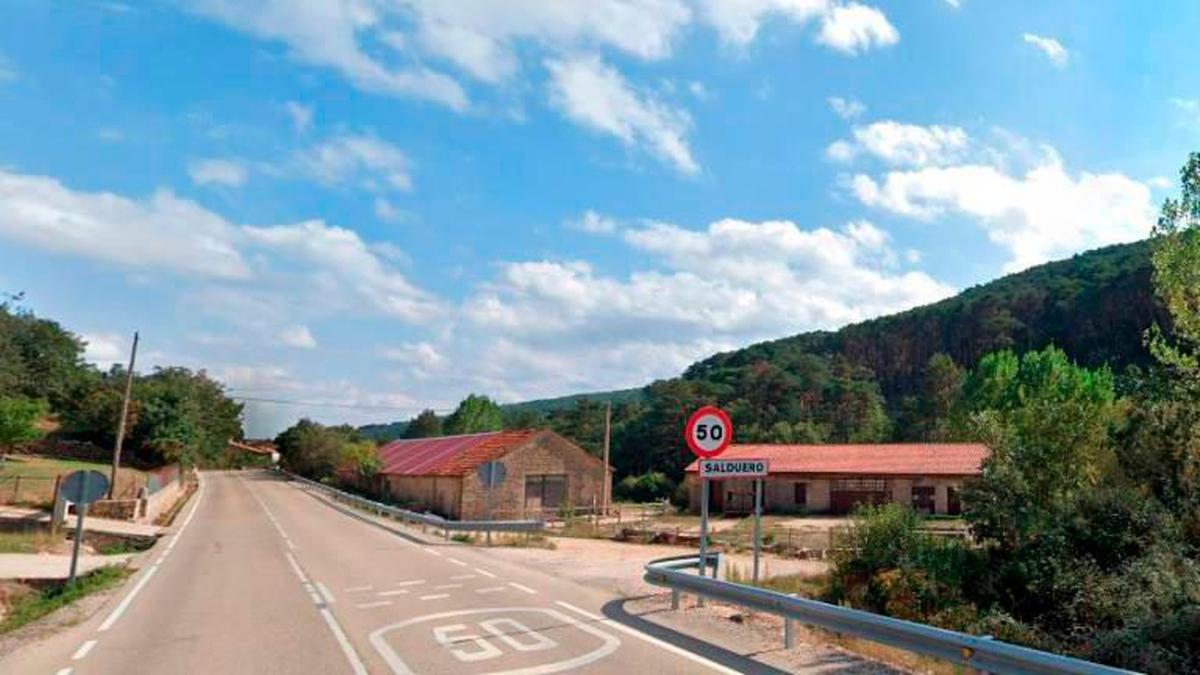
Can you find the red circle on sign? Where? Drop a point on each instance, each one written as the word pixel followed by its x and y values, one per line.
pixel 699 432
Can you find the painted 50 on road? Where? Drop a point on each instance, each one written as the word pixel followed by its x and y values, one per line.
pixel 733 468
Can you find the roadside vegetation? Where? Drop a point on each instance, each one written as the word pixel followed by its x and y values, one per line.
pixel 22 603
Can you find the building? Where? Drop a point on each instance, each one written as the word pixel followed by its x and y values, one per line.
pixel 835 478
pixel 544 474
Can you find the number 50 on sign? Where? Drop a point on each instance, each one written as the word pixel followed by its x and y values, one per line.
pixel 708 432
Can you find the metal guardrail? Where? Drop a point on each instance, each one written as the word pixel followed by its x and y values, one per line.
pixel 981 653
pixel 427 519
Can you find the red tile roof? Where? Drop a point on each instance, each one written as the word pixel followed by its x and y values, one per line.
pixel 927 459
pixel 448 455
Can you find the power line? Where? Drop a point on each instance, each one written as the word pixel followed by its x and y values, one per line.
pixel 320 404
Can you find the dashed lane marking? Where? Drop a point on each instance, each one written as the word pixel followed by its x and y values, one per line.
pixel 457 562
pixel 459 577
pixel 83 650
pixel 520 587
pixel 446 586
pixel 493 589
pixel 485 573
pixel 388 594
pixel 716 667
pixel 371 605
pixel 435 596
pixel 431 551
pixel 64 671
pixel 413 582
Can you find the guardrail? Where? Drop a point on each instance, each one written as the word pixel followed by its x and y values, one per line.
pixel 981 653
pixel 425 519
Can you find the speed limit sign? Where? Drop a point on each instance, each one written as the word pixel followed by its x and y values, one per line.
pixel 708 432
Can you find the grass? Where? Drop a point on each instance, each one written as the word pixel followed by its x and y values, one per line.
pixel 803 585
pixel 36 485
pixel 29 542
pixel 29 607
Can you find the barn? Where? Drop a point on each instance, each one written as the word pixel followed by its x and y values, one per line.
pixel 544 474
pixel 836 478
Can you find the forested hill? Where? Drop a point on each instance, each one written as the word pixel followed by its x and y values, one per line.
pixel 1095 306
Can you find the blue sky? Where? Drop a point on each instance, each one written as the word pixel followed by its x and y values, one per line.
pixel 388 204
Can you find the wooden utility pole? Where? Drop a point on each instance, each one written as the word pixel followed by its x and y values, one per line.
pixel 607 471
pixel 112 482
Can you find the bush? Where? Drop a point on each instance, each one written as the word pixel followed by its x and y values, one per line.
pixel 648 487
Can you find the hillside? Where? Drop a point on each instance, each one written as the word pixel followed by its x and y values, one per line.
pixel 549 405
pixel 1095 306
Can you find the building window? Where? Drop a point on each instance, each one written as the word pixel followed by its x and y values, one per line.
pixel 545 491
pixel 923 498
pixel 801 494
pixel 859 485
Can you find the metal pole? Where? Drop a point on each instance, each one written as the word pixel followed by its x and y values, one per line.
pixel 491 470
pixel 112 483
pixel 607 491
pixel 81 508
pixel 703 532
pixel 758 490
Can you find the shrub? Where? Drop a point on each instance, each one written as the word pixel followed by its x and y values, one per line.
pixel 648 487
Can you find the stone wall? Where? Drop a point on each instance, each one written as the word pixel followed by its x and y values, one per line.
pixel 544 454
pixel 779 495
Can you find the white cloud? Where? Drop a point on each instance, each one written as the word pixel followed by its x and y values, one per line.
pixel 105 349
pixel 598 97
pixel 301 115
pixel 386 210
pixel 1053 49
pixel 227 172
pixel 846 109
pixel 371 161
pixel 332 34
pixel 1160 182
pixel 297 336
pixel 593 223
pixel 903 144
pixel 8 71
pixel 956 4
pixel 161 231
pixel 854 28
pixel 345 271
pixel 1189 107
pixel 1040 215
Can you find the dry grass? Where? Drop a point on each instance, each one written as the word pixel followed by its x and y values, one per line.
pixel 29 479
pixel 32 541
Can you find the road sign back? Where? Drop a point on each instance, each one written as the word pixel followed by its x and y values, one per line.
pixel 84 487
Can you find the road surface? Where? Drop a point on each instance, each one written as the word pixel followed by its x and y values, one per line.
pixel 263 577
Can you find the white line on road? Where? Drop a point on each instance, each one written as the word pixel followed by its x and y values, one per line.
pixel 414 582
pixel 348 649
pixel 369 605
pixel 137 588
pixel 388 594
pixel 296 568
pixel 457 577
pixel 446 586
pixel 358 589
pixel 83 650
pixel 519 587
pixel 485 573
pixel 436 596
pixel 493 589
pixel 431 551
pixel 457 562
pixel 325 593
pixel 647 638
pixel 64 671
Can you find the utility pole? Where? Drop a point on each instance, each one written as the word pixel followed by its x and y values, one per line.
pixel 607 471
pixel 112 483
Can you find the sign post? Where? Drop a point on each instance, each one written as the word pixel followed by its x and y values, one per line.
pixel 490 474
pixel 742 468
pixel 83 488
pixel 708 433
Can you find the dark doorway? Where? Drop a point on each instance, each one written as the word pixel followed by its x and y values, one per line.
pixel 923 500
pixel 953 501
pixel 847 493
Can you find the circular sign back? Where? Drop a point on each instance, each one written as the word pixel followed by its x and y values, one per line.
pixel 84 487
pixel 708 432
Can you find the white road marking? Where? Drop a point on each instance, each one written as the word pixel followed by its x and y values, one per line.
pixel 519 587
pixel 493 589
pixel 83 650
pixel 445 586
pixel 457 562
pixel 369 605
pixel 137 588
pixel 462 576
pixel 414 582
pixel 435 596
pixel 696 658
pixel 388 594
pixel 431 551
pixel 347 649
pixel 358 589
pixel 296 568
pixel 315 598
pixel 325 593
pixel 485 573
pixel 64 671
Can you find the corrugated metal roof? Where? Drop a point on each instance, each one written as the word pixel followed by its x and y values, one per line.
pixel 929 459
pixel 448 455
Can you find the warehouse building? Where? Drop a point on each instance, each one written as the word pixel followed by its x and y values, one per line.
pixel 544 474
pixel 836 478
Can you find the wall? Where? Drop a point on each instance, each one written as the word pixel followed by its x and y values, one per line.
pixel 163 500
pixel 545 453
pixel 779 496
pixel 440 494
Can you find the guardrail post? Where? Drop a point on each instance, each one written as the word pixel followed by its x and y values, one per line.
pixel 789 633
pixel 674 598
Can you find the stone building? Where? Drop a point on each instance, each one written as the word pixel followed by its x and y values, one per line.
pixel 835 478
pixel 544 474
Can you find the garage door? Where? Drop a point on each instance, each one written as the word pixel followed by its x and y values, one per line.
pixel 847 493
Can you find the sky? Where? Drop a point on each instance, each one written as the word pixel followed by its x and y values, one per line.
pixel 369 207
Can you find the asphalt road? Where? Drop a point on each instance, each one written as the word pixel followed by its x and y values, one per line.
pixel 263 577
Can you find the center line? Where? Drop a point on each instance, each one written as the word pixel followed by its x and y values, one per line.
pixel 493 589
pixel 436 596
pixel 325 593
pixel 519 587
pixel 457 562
pixel 84 649
pixel 485 573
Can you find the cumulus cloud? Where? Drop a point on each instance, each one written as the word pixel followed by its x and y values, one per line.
pixel 596 96
pixel 1053 49
pixel 854 28
pixel 227 172
pixel 161 231
pixel 103 350
pixel 366 159
pixel 846 109
pixel 297 336
pixel 593 223
pixel 903 144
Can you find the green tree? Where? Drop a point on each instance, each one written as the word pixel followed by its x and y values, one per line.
pixel 184 416
pixel 1177 276
pixel 18 420
pixel 362 457
pixel 311 449
pixel 424 425
pixel 475 414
